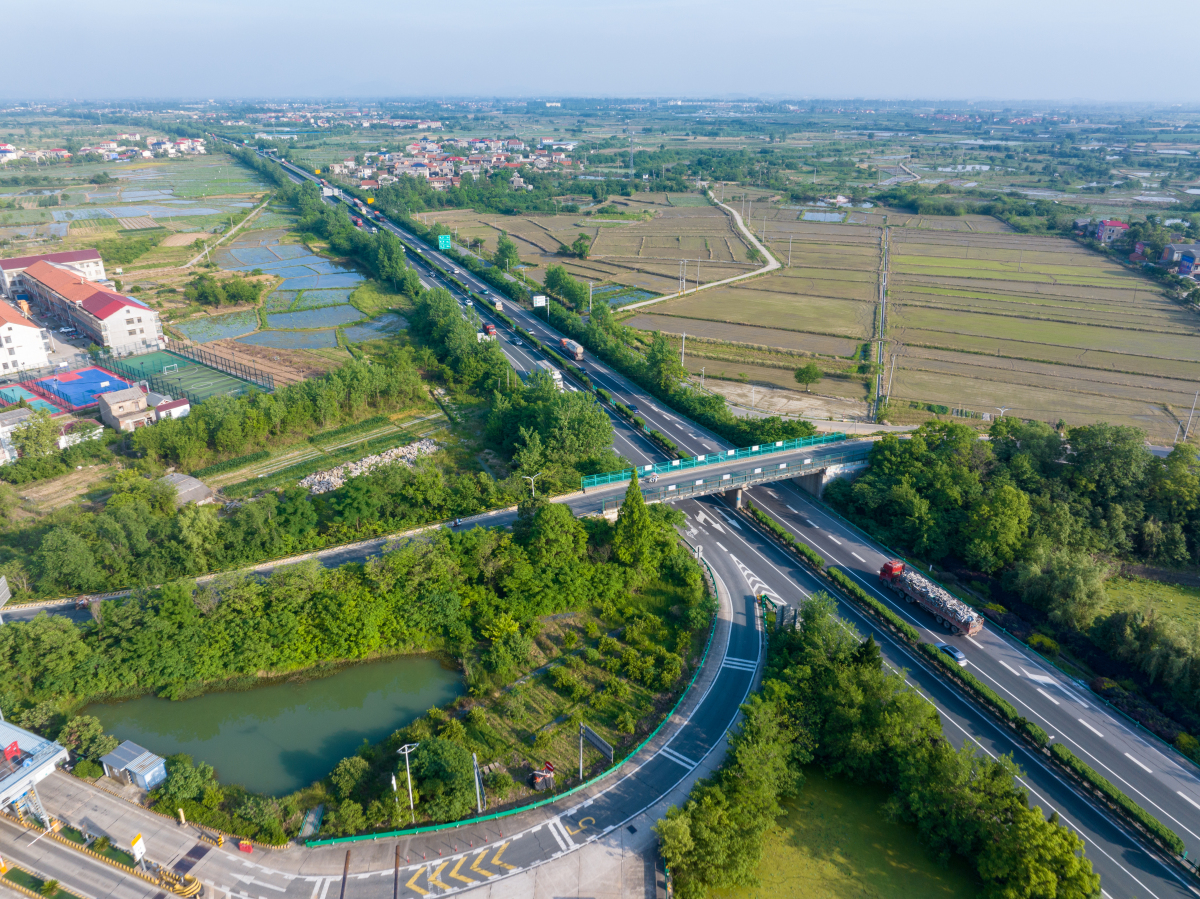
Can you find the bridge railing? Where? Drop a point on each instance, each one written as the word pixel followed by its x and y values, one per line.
pixel 747 452
pixel 734 480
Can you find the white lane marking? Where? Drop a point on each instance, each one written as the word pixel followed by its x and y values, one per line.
pixel 723 549
pixel 562 844
pixel 1009 667
pixel 976 642
pixel 807 521
pixel 834 539
pixel 1188 798
pixel 677 757
pixel 1048 696
pixel 325 889
pixel 739 666
pixel 1092 729
pixel 857 556
pixel 756 584
pixel 790 509
pixel 1138 763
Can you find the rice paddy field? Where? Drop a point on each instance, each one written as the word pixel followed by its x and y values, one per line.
pixel 184 195
pixel 824 303
pixel 637 250
pixel 1039 325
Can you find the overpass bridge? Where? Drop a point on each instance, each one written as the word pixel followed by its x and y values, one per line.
pixel 817 468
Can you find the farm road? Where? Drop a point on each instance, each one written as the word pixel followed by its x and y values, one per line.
pixel 772 264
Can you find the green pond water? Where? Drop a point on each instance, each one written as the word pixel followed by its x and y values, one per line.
pixel 281 737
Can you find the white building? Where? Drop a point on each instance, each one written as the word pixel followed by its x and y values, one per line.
pixel 11 420
pixel 23 344
pixel 86 262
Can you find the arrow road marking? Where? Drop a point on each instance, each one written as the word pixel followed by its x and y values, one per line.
pixel 496 858
pixel 412 882
pixel 435 877
pixel 454 871
pixel 478 870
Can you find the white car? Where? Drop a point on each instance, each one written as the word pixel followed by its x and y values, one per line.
pixel 956 654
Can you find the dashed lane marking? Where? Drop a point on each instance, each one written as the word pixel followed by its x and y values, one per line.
pixel 1187 798
pixel 1092 729
pixel 1009 667
pixel 1138 763
pixel 976 642
pixel 1047 695
pixel 723 549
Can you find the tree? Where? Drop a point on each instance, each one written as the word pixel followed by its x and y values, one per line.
pixel 506 254
pixel 446 779
pixel 808 375
pixel 184 779
pixel 634 533
pixel 38 436
pixel 663 364
pixel 241 291
pixel 85 736
pixel 348 775
pixel 996 527
pixel 582 246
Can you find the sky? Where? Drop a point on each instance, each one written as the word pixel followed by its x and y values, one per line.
pixel 1068 50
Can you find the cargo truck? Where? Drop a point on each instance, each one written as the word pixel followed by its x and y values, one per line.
pixel 554 373
pixel 491 329
pixel 571 349
pixel 951 613
pixel 499 305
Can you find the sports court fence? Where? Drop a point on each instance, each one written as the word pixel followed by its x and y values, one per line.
pixel 228 366
pixel 155 383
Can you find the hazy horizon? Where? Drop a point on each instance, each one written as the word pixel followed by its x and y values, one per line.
pixel 1044 53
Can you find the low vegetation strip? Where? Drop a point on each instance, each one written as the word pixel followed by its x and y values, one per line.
pixel 351 430
pixel 1117 797
pixel 231 464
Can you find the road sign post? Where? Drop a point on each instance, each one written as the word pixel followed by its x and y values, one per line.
pixel 138 848
pixel 443 241
pixel 406 749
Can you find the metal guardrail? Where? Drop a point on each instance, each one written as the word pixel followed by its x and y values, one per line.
pixel 779 446
pixel 734 480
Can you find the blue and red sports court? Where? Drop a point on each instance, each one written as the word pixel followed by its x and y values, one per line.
pixel 68 391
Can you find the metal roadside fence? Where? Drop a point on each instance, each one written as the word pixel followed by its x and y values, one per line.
pixel 779 446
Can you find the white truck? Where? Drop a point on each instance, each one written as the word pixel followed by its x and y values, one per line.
pixel 554 373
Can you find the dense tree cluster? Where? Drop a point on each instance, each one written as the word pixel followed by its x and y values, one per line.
pixel 827 700
pixel 1042 512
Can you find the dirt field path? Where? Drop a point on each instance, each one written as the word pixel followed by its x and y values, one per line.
pixel 772 264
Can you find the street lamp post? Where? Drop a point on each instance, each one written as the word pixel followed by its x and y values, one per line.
pixel 532 488
pixel 406 750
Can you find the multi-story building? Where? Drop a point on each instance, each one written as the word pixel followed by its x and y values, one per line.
pixel 23 344
pixel 125 410
pixel 87 262
pixel 104 316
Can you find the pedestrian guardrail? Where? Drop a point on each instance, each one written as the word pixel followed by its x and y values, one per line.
pixel 779 446
pixel 734 480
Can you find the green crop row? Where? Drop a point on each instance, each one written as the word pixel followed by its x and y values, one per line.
pixel 230 464
pixel 1160 831
pixel 360 427
pixel 809 554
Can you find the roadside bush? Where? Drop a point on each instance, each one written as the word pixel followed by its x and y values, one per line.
pixel 87 769
pixel 1043 644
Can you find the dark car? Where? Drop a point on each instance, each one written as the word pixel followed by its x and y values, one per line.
pixel 954 653
pixel 634 409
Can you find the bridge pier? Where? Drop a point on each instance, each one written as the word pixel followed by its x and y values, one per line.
pixel 814 484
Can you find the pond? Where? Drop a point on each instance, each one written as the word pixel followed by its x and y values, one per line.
pixel 279 738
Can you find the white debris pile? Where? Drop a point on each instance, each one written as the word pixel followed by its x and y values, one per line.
pixel 325 481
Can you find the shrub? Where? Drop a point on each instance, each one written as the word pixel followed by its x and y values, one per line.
pixel 1188 745
pixel 1043 644
pixel 500 783
pixel 88 770
pixel 230 464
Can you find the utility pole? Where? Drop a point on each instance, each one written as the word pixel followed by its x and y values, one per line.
pixel 682 347
pixel 789 251
pixel 406 750
pixel 701 377
pixel 478 792
pixel 589 299
pixel 1002 409
pixel 1189 424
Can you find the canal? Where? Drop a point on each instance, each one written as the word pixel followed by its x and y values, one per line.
pixel 278 738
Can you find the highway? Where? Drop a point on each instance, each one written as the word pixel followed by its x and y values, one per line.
pixel 1153 775
pixel 748 564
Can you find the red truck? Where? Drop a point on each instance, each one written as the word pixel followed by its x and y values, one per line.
pixel 571 349
pixel 357 221
pixel 951 612
pixel 491 330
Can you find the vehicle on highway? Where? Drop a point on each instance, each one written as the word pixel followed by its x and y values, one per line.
pixel 456 271
pixel 491 329
pixel 950 611
pixel 954 652
pixel 554 373
pixel 653 479
pixel 529 331
pixel 632 408
pixel 571 349
pixel 517 342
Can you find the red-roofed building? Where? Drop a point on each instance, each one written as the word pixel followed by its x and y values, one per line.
pixel 87 262
pixel 1109 230
pixel 175 409
pixel 106 317
pixel 22 343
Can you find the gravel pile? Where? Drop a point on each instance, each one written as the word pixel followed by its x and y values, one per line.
pixel 325 481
